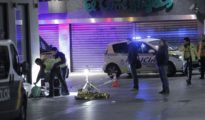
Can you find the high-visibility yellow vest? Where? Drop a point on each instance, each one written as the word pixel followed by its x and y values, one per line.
pixel 193 52
pixel 201 50
pixel 63 65
pixel 49 64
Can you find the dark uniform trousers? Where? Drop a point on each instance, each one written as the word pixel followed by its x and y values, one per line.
pixel 57 72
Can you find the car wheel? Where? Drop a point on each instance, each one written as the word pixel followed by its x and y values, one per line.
pixel 171 70
pixel 113 68
pixel 22 113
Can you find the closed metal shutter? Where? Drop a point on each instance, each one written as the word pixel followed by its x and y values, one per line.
pixel 50 34
pixel 89 42
pixel 172 31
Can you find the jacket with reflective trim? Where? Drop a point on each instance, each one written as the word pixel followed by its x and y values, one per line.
pixel 194 54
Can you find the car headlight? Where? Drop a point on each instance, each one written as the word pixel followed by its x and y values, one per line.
pixel 180 57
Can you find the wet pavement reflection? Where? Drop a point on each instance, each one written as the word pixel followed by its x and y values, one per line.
pixel 183 103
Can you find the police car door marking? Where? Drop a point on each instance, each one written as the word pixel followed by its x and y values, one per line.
pixel 4 94
pixel 148 59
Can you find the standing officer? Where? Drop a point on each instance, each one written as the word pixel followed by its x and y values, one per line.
pixel 162 61
pixel 132 58
pixel 190 54
pixel 202 58
pixel 57 68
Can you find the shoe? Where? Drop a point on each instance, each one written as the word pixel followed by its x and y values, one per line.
pixel 164 92
pixel 188 82
pixel 201 78
pixel 66 93
pixel 49 96
pixel 134 89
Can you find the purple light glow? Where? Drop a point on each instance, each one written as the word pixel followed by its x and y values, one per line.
pixel 50 34
pixel 52 16
pixel 89 40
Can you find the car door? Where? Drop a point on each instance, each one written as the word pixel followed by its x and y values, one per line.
pixel 16 80
pixel 147 57
pixel 120 58
pixel 5 77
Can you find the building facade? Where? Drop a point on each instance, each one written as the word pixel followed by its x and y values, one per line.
pixel 19 22
pixel 83 28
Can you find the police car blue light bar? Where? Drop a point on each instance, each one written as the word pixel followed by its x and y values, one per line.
pixel 137 38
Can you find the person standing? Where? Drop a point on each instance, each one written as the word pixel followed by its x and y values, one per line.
pixel 162 61
pixel 189 54
pixel 202 58
pixel 50 73
pixel 59 69
pixel 132 58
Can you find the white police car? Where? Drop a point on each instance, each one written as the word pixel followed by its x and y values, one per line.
pixel 13 98
pixel 116 58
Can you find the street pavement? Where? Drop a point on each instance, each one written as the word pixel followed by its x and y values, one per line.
pixel 183 103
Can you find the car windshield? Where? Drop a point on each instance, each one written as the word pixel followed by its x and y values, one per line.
pixel 156 43
pixel 4 62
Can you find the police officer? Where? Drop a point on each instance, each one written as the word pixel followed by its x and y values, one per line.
pixel 162 61
pixel 49 61
pixel 132 58
pixel 190 54
pixel 202 58
pixel 41 72
pixel 59 70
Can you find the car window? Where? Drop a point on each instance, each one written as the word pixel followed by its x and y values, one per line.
pixel 171 47
pixel 155 42
pixel 143 48
pixel 15 61
pixel 4 62
pixel 120 48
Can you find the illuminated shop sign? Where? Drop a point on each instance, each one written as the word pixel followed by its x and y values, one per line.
pixel 129 5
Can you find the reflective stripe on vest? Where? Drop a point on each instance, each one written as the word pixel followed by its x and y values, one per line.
pixel 63 65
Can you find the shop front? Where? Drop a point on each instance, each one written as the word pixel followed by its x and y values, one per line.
pixel 84 30
pixel 19 23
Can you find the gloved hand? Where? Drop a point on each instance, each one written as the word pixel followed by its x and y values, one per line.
pixel 196 58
